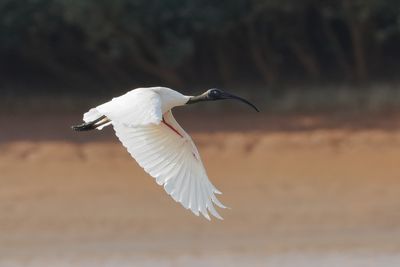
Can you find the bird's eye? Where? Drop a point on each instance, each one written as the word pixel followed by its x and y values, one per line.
pixel 214 93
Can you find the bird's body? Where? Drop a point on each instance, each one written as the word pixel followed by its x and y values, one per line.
pixel 143 122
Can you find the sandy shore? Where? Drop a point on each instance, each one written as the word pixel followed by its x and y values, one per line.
pixel 311 198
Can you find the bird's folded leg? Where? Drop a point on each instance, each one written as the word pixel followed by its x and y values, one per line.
pixel 87 126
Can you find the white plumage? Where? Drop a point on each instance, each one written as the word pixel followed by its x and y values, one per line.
pixel 143 121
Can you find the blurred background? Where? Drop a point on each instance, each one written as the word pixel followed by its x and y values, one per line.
pixel 312 180
pixel 273 50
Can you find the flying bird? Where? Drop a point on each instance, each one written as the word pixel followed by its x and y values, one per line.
pixel 143 122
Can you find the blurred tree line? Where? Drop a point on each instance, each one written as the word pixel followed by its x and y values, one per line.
pixel 202 42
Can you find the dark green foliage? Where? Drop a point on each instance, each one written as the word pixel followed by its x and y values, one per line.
pixel 177 42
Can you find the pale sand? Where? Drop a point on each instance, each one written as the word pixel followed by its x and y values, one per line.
pixel 312 198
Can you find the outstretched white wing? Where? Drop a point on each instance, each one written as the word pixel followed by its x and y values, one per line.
pixel 137 107
pixel 167 153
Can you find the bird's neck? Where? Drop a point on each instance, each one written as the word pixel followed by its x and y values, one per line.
pixel 196 99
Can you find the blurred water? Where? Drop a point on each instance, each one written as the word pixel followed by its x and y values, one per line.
pixel 299 259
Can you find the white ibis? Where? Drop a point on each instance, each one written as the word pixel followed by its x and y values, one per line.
pixel 143 122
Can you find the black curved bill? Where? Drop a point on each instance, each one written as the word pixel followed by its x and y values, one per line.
pixel 226 95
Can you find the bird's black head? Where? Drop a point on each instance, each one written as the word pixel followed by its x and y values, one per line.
pixel 218 94
pixel 214 94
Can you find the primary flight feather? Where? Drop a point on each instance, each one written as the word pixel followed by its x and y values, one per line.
pixel 143 122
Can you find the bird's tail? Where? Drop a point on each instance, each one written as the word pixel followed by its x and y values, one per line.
pixel 87 126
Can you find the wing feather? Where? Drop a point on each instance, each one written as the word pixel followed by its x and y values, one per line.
pixel 167 153
pixel 146 103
